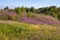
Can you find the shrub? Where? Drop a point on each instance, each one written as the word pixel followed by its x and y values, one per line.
pixel 6 8
pixel 22 9
pixel 59 17
pixel 30 14
pixel 18 11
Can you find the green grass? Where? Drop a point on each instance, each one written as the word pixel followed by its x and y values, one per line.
pixel 24 31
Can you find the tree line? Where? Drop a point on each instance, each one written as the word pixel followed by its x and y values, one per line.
pixel 51 11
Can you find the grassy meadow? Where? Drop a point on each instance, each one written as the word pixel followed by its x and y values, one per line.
pixel 23 23
pixel 11 30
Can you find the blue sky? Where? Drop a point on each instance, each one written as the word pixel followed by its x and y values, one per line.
pixel 29 3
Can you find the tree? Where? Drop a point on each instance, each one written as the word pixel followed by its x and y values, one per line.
pixel 6 8
pixel 18 11
pixel 58 9
pixel 22 9
pixel 59 17
pixel 41 10
pixel 32 9
pixel 27 9
pixel 53 8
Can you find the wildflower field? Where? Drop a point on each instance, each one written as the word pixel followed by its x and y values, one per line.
pixel 22 23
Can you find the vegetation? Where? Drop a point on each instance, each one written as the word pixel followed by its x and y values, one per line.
pixel 30 23
pixel 6 8
pixel 18 10
pixel 47 15
pixel 52 11
pixel 23 31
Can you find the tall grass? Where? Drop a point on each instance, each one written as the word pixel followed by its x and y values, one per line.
pixel 24 31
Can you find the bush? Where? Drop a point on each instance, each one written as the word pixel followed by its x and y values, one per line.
pixel 59 17
pixel 18 11
pixel 22 9
pixel 30 14
pixel 6 8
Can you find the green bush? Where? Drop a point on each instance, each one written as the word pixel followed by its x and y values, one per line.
pixel 23 9
pixel 30 14
pixel 59 17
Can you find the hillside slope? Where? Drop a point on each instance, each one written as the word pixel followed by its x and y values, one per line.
pixel 40 19
pixel 11 30
pixel 31 18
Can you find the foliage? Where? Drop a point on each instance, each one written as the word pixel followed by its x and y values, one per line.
pixel 32 9
pixel 22 9
pixel 29 14
pixel 52 11
pixel 6 8
pixel 23 31
pixel 30 17
pixel 59 17
pixel 42 26
pixel 18 11
pixel 27 9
